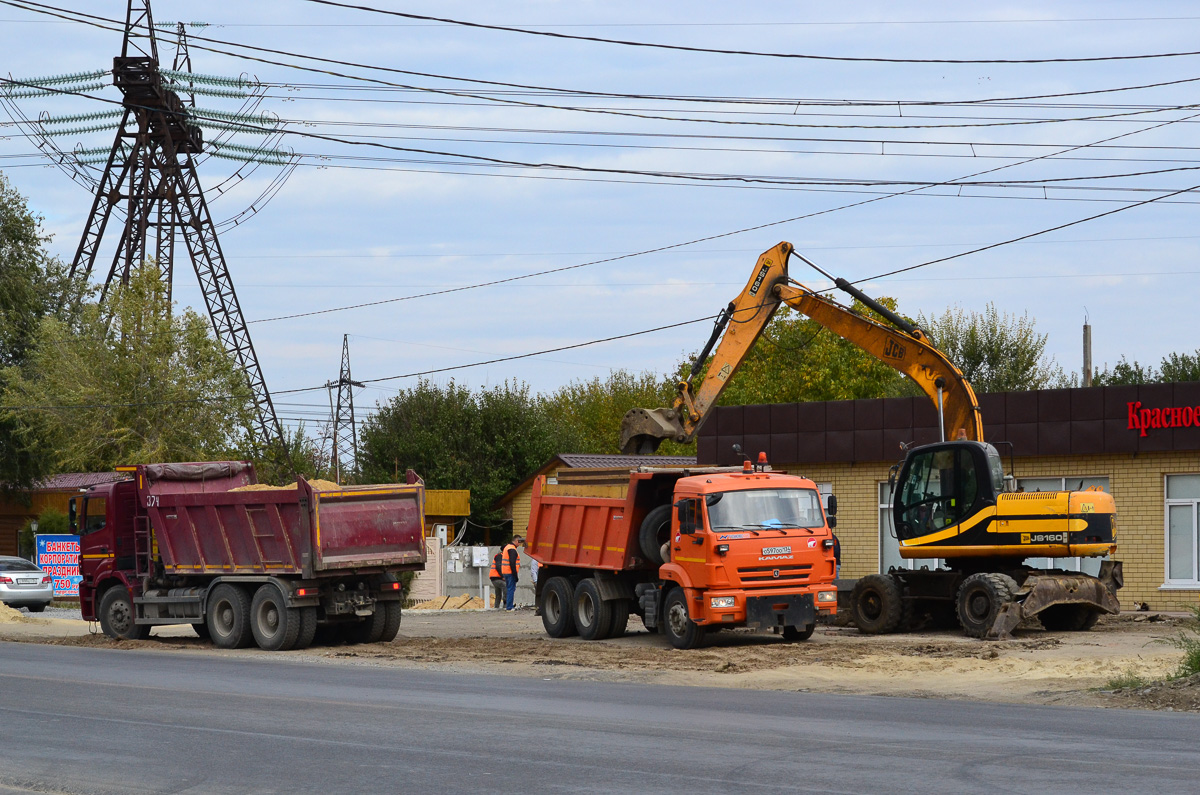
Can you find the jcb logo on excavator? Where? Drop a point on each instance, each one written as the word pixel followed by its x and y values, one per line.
pixel 762 274
pixel 893 350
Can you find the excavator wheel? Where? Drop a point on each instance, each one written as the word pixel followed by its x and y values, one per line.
pixel 654 532
pixel 1069 618
pixel 980 599
pixel 877 604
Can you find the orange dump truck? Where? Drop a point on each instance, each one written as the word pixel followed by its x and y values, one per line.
pixel 689 550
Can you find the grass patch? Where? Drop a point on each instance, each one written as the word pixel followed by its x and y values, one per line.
pixel 1128 680
pixel 1188 641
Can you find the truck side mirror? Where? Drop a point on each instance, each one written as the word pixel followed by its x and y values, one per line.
pixel 688 513
pixel 831 521
pixel 831 505
pixel 72 521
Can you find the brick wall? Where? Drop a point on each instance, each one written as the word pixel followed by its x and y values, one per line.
pixel 1136 483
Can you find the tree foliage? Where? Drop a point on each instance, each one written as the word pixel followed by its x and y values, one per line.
pixel 594 408
pixel 130 383
pixel 1173 367
pixel 997 352
pixel 486 441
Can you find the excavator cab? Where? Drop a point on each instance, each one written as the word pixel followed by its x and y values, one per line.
pixel 941 485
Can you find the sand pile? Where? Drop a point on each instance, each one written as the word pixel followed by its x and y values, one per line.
pixel 316 483
pixel 463 602
pixel 9 615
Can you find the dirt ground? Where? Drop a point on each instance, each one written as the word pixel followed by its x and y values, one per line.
pixel 1036 667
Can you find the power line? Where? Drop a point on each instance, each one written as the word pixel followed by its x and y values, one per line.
pixel 753 53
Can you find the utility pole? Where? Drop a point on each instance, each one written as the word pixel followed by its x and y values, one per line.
pixel 1087 351
pixel 151 173
pixel 343 454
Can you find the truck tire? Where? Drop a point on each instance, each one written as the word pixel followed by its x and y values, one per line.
pixel 980 598
pixel 369 629
pixel 677 624
pixel 229 617
pixel 796 634
pixel 620 619
pixel 876 604
pixel 654 532
pixel 557 599
pixel 117 615
pixel 275 625
pixel 1069 618
pixel 308 628
pixel 392 614
pixel 593 615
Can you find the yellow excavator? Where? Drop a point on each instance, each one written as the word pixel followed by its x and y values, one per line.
pixel 951 500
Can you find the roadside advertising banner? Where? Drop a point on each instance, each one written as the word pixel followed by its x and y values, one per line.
pixel 58 555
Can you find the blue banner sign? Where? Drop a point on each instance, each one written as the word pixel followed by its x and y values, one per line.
pixel 58 556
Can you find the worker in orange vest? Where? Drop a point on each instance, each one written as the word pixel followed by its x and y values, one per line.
pixel 510 564
pixel 497 581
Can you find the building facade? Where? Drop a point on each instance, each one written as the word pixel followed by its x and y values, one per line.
pixel 1139 443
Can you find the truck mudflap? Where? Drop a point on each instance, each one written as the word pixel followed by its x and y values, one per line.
pixel 790 610
pixel 1045 589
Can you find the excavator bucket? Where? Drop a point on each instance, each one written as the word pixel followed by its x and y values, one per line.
pixel 643 430
pixel 1042 590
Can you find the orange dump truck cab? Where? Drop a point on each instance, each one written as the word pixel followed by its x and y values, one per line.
pixel 686 549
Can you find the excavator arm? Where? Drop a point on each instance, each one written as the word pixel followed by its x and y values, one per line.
pixel 900 345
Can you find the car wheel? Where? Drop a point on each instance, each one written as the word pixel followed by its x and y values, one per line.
pixel 38 608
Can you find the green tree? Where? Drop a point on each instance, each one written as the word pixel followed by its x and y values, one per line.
pixel 486 441
pixel 1126 372
pixel 50 522
pixel 32 285
pixel 131 383
pixel 1180 367
pixel 799 360
pixel 594 408
pixel 997 352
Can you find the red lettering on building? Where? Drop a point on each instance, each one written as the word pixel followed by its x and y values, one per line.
pixel 1142 420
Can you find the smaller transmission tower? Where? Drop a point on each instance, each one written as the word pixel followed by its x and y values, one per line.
pixel 343 453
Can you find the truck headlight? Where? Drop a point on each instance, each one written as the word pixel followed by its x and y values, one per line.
pixel 826 596
pixel 722 601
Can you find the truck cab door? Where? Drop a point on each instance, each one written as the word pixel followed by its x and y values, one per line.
pixel 689 540
pixel 96 546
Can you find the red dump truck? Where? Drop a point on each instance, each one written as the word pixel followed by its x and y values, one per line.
pixel 689 550
pixel 204 544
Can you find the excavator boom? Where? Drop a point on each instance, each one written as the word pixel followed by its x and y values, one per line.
pixel 901 345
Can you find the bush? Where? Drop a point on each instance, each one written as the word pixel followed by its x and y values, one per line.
pixel 1188 641
pixel 1129 679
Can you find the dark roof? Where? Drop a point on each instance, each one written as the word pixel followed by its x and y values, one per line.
pixel 578 460
pixel 586 460
pixel 1083 421
pixel 73 481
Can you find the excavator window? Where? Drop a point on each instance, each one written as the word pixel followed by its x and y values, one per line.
pixel 939 489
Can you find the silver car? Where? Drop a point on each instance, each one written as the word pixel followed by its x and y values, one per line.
pixel 22 584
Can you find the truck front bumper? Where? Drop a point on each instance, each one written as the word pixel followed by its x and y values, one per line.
pixel 737 608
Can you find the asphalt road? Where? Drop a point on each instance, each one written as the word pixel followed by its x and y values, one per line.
pixel 85 720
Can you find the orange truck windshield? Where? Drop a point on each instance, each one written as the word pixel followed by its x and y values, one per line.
pixel 765 508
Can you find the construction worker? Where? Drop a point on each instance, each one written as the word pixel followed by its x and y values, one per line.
pixel 497 582
pixel 510 564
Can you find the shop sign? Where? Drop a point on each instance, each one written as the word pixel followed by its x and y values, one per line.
pixel 58 556
pixel 1143 419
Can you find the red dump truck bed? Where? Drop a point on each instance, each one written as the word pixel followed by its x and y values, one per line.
pixel 203 526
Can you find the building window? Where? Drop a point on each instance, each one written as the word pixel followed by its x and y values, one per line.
pixel 1085 565
pixel 889 545
pixel 1183 549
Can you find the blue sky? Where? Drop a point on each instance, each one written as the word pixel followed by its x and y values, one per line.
pixel 354 224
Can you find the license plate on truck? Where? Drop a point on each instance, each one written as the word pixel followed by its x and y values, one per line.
pixel 777 550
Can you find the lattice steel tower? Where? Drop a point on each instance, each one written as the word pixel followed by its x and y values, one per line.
pixel 343 452
pixel 151 173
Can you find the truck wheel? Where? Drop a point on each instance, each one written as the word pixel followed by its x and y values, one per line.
pixel 275 625
pixel 369 629
pixel 117 614
pixel 593 615
pixel 1068 618
pixel 795 634
pixel 677 625
pixel 229 617
pixel 876 604
pixel 980 599
pixel 391 621
pixel 654 532
pixel 308 628
pixel 557 598
pixel 620 619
